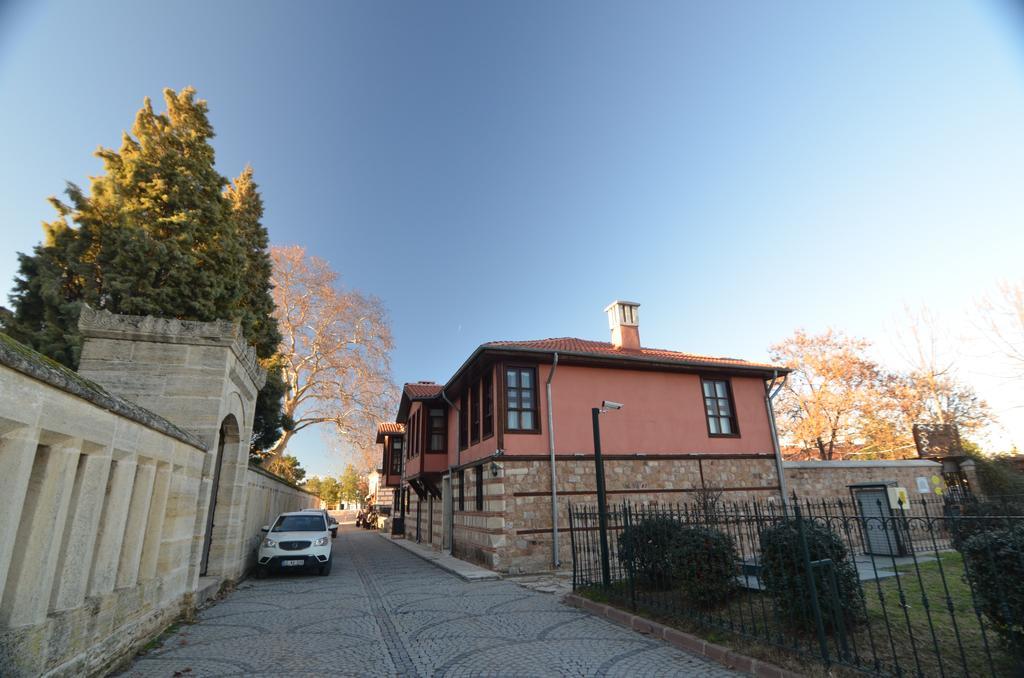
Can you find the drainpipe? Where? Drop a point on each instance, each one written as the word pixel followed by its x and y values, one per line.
pixel 769 396
pixel 451 475
pixel 555 562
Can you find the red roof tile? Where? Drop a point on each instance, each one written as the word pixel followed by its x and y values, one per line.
pixel 389 428
pixel 422 390
pixel 606 349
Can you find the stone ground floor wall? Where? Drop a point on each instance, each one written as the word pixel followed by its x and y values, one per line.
pixel 513 531
pixel 424 522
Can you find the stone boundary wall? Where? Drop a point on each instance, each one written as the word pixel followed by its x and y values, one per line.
pixel 99 503
pixel 106 479
pixel 831 479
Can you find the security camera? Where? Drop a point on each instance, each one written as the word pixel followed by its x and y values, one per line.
pixel 611 405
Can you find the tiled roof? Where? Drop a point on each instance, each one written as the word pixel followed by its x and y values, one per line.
pixel 421 390
pixel 389 428
pixel 606 349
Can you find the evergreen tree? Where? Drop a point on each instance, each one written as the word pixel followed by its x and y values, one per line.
pixel 161 233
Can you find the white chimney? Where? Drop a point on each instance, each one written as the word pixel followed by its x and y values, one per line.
pixel 624 322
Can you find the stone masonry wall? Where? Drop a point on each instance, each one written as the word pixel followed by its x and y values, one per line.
pixel 104 503
pixel 513 533
pixel 98 512
pixel 831 479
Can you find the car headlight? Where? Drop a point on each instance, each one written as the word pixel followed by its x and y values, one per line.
pixel 268 542
pixel 322 541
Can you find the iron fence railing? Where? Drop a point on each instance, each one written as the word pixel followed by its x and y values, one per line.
pixel 877 589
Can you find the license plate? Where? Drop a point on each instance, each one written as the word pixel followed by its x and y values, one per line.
pixel 292 563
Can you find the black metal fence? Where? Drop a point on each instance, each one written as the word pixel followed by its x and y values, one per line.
pixel 842 582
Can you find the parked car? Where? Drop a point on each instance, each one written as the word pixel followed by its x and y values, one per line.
pixel 332 524
pixel 296 541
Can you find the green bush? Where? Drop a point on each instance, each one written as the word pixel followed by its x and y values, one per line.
pixel 784 575
pixel 994 566
pixel 975 517
pixel 699 562
pixel 705 572
pixel 648 548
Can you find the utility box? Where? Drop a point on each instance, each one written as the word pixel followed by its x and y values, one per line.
pixel 877 507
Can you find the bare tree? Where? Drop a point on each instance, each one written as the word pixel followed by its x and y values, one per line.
pixel 335 351
pixel 1003 323
pixel 831 382
pixel 931 391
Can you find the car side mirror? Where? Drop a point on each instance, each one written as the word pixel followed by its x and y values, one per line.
pixel 265 528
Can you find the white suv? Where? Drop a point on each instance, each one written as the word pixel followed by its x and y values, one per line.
pixel 300 540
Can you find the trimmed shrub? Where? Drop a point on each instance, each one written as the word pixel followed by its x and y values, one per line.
pixel 699 562
pixel 976 517
pixel 994 566
pixel 648 547
pixel 784 575
pixel 705 571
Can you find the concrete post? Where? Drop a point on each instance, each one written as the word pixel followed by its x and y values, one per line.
pixel 30 578
pixel 135 528
pixel 155 525
pixel 17 450
pixel 115 514
pixel 80 529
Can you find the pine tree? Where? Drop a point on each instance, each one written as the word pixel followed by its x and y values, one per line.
pixel 161 233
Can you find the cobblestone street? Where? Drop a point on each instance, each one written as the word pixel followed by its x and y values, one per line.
pixel 385 612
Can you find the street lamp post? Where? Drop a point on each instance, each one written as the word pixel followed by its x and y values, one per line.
pixel 602 500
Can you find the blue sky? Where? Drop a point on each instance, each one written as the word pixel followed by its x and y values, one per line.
pixel 503 170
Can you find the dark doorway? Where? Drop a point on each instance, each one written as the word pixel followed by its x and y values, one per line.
pixel 228 430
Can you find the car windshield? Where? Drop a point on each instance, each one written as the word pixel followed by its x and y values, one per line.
pixel 299 524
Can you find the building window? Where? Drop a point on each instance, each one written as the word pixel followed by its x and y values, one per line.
pixel 480 487
pixel 488 404
pixel 474 414
pixel 437 426
pixel 462 489
pixel 521 392
pixel 719 407
pixel 418 439
pixel 396 456
pixel 464 421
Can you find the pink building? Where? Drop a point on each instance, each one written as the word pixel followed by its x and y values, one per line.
pixel 493 457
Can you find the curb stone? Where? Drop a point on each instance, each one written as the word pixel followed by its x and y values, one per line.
pixel 680 639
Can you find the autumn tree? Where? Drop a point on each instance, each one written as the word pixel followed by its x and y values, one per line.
pixel 349 486
pixel 287 467
pixel 833 378
pixel 159 232
pixel 334 353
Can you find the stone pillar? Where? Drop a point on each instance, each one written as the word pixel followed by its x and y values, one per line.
pixel 115 515
pixel 155 525
pixel 81 528
pixel 17 451
pixel 30 578
pixel 135 528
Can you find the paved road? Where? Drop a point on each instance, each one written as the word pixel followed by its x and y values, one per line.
pixel 385 612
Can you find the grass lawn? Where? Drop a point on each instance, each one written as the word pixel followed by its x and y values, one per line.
pixel 918 636
pixel 900 638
